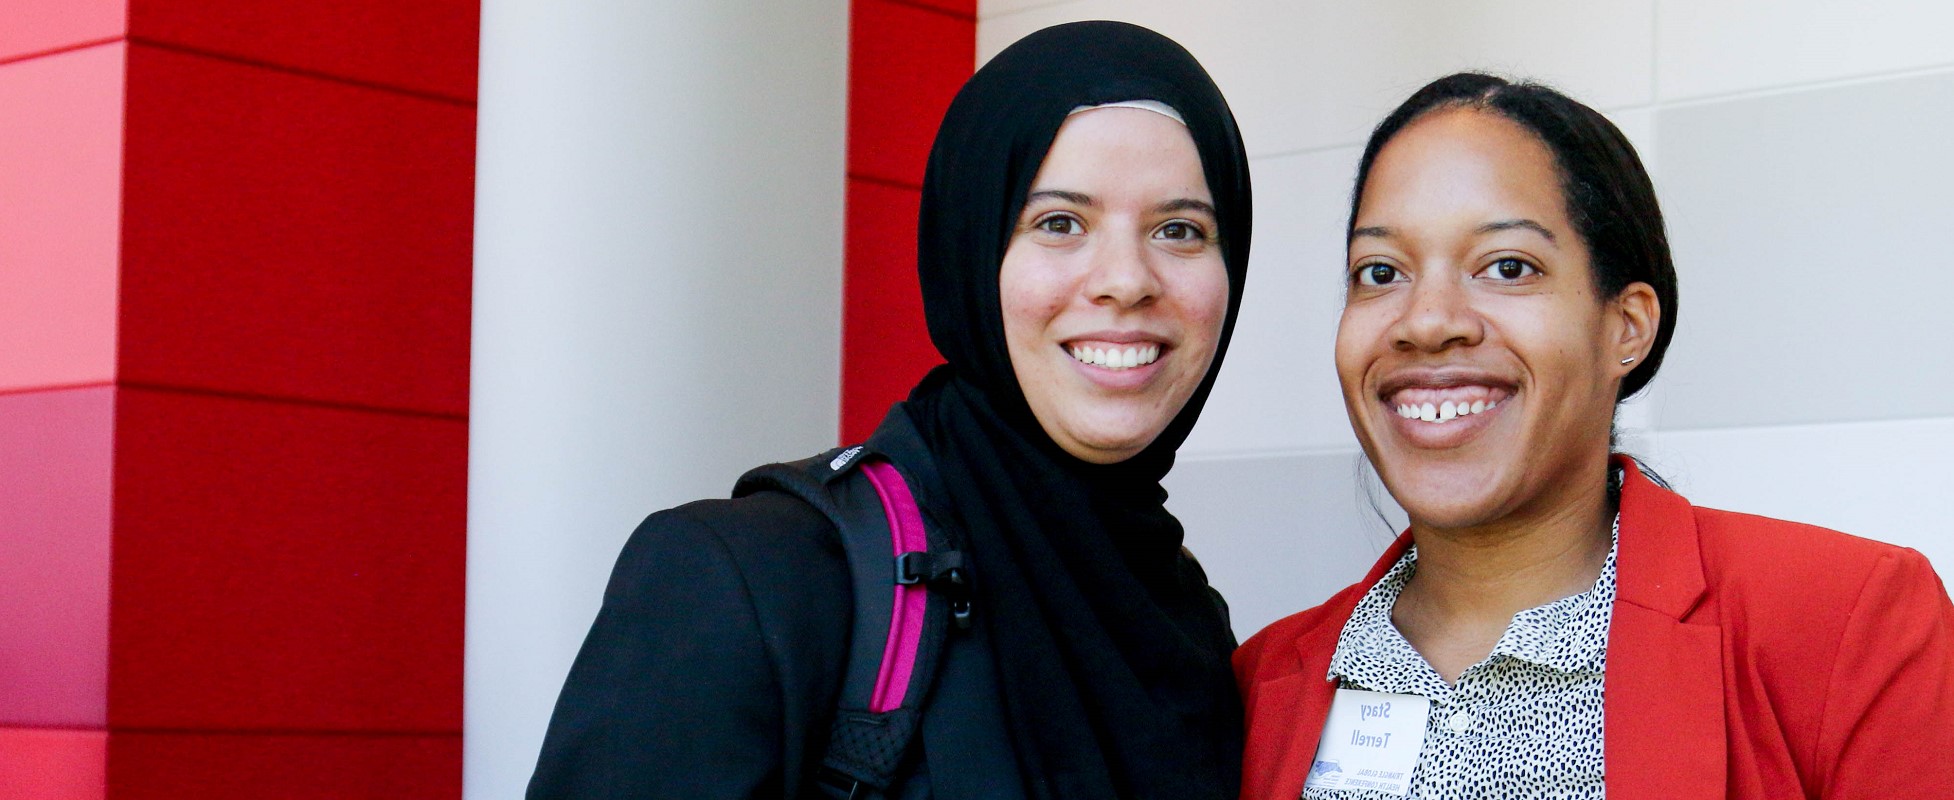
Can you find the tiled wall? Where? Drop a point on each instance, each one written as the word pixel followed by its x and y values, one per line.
pixel 1799 151
pixel 234 310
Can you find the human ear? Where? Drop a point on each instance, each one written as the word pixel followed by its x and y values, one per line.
pixel 1634 316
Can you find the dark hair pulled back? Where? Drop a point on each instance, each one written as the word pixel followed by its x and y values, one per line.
pixel 1609 196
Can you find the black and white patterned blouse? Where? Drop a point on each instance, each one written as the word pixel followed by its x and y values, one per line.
pixel 1523 723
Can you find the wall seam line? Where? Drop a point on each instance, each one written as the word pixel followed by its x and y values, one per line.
pixel 421 94
pixel 920 6
pixel 66 48
pixel 887 182
pixel 298 401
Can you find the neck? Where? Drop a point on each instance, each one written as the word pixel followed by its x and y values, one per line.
pixel 1518 561
pixel 1471 581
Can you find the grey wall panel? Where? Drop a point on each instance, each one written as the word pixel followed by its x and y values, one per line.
pixel 1705 48
pixel 1810 233
pixel 1278 534
pixel 1278 389
pixel 1313 75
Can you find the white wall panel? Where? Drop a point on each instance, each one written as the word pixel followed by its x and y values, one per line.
pixel 1882 480
pixel 1279 534
pixel 658 276
pixel 1809 230
pixel 1313 75
pixel 1707 48
pixel 1278 388
pixel 994 8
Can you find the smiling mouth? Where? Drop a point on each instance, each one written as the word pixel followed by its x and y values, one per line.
pixel 1441 405
pixel 1116 357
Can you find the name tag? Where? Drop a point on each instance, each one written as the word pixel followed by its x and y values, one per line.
pixel 1371 741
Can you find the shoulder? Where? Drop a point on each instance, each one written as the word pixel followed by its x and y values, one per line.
pixel 1847 641
pixel 720 642
pixel 1277 650
pixel 1750 555
pixel 1798 599
pixel 767 562
pixel 764 540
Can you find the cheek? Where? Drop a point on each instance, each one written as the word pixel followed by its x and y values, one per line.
pixel 1026 303
pixel 1204 301
pixel 1359 334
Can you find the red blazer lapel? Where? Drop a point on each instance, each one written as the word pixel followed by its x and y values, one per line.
pixel 1278 763
pixel 1663 730
pixel 1279 756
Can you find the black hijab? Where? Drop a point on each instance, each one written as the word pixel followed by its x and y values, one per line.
pixel 1111 654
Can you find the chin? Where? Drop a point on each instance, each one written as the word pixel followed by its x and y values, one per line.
pixel 1107 444
pixel 1438 494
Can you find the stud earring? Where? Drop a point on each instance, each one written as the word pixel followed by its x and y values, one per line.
pixel 1627 361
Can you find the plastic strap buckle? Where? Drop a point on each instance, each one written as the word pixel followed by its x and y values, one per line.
pixel 841 785
pixel 942 573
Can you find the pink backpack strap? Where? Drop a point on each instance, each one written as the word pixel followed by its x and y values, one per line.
pixel 907 599
pixel 911 600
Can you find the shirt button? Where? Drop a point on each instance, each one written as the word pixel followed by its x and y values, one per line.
pixel 1459 722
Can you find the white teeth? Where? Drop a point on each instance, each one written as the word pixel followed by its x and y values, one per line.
pixel 1117 358
pixel 1445 411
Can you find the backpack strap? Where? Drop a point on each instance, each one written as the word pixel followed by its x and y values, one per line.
pixel 909 589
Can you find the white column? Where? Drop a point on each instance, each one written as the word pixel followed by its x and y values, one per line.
pixel 657 304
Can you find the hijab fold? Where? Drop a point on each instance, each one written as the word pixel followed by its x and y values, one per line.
pixel 1111 651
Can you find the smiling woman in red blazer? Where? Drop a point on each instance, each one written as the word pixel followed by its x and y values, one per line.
pixel 1557 623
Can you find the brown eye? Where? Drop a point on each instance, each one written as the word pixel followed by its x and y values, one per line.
pixel 1510 269
pixel 1180 231
pixel 1377 274
pixel 1061 225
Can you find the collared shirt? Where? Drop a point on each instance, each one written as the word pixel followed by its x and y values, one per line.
pixel 1523 723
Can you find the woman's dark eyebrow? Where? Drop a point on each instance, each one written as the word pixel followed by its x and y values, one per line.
pixel 1374 231
pixel 1185 204
pixel 1510 224
pixel 1075 198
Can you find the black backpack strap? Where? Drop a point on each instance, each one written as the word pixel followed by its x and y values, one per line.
pixel 869 737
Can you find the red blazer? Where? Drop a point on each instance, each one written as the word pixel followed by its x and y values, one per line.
pixel 1748 658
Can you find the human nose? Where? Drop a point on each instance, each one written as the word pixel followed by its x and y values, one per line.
pixel 1440 316
pixel 1121 275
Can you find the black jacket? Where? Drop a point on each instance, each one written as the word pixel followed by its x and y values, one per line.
pixel 713 668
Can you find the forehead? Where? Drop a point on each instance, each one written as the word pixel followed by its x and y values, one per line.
pixel 1462 167
pixel 1122 147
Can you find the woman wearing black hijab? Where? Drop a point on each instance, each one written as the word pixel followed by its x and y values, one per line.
pixel 1083 244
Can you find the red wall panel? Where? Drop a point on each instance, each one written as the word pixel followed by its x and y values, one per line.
pixel 176 766
pixel 55 465
pixel 35 26
pixel 907 59
pixel 886 344
pixel 60 209
pixel 295 237
pixel 424 45
pixel 45 764
pixel 240 238
pixel 285 567
pixel 904 65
